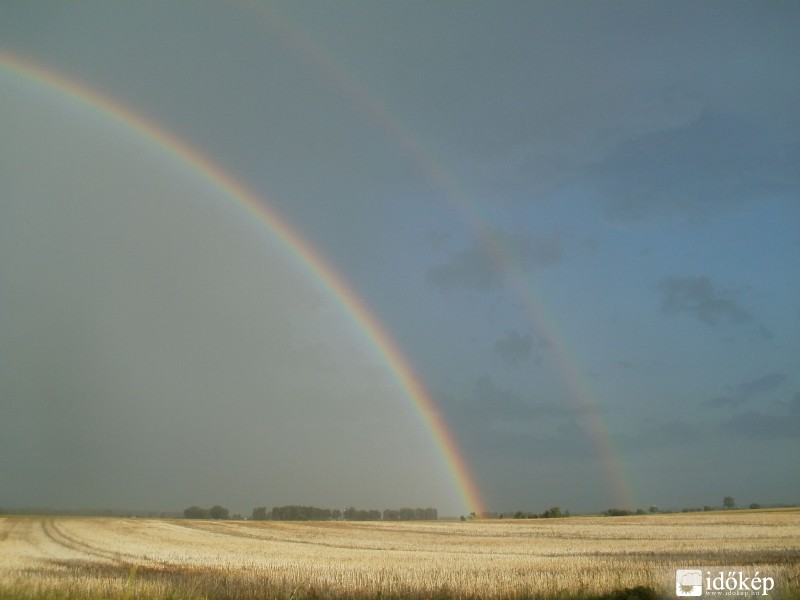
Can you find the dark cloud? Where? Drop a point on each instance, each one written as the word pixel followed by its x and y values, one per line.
pixel 489 400
pixel 746 391
pixel 794 404
pixel 508 425
pixel 436 238
pixel 515 347
pixel 676 432
pixel 625 364
pixel 473 269
pixel 712 163
pixel 760 385
pixel 701 298
pixel 762 426
pixel 482 266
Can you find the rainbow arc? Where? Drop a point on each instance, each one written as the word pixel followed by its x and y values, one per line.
pixel 316 266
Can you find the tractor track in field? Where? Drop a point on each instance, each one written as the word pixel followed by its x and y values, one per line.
pixel 7 526
pixel 57 535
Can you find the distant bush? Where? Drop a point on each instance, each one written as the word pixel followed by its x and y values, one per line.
pixel 219 512
pixel 260 514
pixel 617 512
pixel 352 513
pixel 553 512
pixel 312 513
pixel 300 513
pixel 196 512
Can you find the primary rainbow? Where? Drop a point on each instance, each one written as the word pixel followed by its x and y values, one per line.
pixel 320 270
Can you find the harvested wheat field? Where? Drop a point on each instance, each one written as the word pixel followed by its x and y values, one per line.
pixel 583 557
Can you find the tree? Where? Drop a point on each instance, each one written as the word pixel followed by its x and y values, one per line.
pixel 260 513
pixel 196 512
pixel 618 512
pixel 728 502
pixel 218 512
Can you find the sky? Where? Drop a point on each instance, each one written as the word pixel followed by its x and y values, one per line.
pixel 577 222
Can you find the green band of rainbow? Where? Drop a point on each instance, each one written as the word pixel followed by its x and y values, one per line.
pixel 321 271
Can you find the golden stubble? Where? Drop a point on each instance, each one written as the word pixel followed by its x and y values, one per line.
pixel 110 557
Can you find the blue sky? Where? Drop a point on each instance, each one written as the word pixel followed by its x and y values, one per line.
pixel 578 220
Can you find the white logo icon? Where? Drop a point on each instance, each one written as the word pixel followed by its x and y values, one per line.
pixel 689 582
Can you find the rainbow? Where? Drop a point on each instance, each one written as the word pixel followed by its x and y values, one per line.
pixel 320 270
pixel 582 398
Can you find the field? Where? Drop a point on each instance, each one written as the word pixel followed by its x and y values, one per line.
pixel 583 557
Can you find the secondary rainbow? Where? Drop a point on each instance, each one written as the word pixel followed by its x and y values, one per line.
pixel 582 398
pixel 321 271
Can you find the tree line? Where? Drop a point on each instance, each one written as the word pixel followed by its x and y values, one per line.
pixel 215 512
pixel 313 513
pixel 351 513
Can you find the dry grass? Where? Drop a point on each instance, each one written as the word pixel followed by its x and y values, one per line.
pixel 82 558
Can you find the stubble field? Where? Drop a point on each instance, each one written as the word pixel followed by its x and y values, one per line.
pixel 579 557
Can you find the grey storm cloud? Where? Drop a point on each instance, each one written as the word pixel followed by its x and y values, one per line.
pixel 489 399
pixel 747 390
pixel 794 404
pixel 662 435
pixel 515 347
pixel 702 299
pixel 482 266
pixel 758 423
pixel 763 426
pixel 472 269
pixel 712 163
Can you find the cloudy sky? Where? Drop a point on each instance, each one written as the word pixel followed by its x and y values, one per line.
pixel 580 222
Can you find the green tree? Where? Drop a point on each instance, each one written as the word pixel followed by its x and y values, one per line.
pixel 218 512
pixel 618 512
pixel 196 512
pixel 260 514
pixel 728 502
